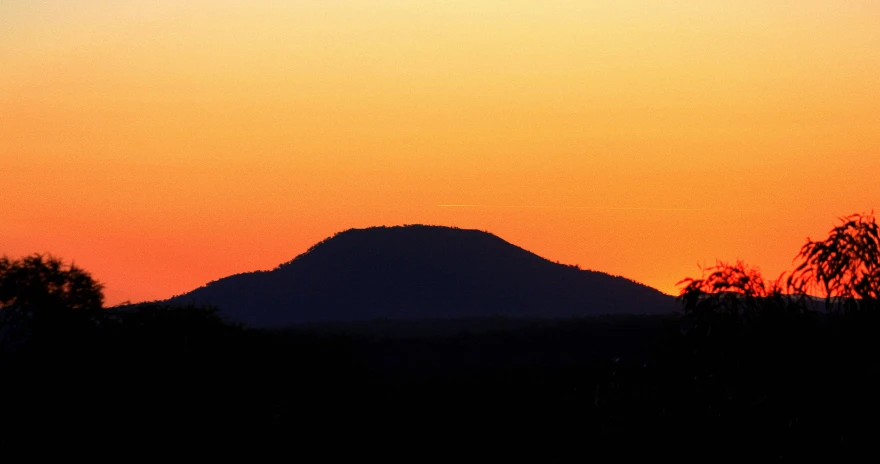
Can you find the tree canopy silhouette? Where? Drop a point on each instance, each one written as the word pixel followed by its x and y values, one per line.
pixel 844 268
pixel 41 295
pixel 734 293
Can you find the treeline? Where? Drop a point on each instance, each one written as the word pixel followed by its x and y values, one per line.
pixel 751 368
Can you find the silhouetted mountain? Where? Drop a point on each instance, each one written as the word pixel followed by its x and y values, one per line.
pixel 421 272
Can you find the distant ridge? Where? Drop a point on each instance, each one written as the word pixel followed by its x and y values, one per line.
pixel 421 272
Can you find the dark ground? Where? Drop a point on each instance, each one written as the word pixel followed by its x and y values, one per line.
pixel 624 385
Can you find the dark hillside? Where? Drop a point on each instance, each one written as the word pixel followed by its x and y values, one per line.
pixel 422 272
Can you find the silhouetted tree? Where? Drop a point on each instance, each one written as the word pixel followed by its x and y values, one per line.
pixel 844 268
pixel 41 296
pixel 755 349
pixel 734 293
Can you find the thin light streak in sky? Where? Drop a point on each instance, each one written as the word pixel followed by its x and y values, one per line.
pixel 571 207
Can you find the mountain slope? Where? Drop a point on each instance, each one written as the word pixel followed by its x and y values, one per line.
pixel 416 272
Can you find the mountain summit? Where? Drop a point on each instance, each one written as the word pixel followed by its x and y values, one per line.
pixel 421 272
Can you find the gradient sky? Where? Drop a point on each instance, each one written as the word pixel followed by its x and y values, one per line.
pixel 164 144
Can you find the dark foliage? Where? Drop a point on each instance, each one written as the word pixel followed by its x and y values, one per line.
pixel 844 268
pixel 42 296
pixel 762 350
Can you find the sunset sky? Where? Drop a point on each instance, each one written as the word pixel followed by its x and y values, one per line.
pixel 164 144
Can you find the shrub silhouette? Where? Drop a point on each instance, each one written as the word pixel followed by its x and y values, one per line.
pixel 173 332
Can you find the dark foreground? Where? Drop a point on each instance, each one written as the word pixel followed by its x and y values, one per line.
pixel 626 385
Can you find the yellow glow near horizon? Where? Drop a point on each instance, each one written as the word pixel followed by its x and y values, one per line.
pixel 165 144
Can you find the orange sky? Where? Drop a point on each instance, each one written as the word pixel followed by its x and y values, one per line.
pixel 161 145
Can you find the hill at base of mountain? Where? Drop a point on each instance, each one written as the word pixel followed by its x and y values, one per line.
pixel 421 272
